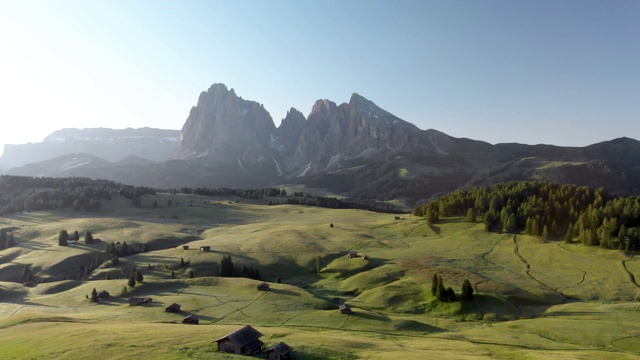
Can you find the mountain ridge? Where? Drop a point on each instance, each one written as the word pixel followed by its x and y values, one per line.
pixel 357 149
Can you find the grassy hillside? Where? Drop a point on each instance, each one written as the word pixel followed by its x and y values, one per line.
pixel 534 298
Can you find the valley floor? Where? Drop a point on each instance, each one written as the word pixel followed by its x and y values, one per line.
pixel 534 299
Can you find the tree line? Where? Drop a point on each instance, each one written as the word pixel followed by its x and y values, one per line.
pixel 549 210
pixel 25 193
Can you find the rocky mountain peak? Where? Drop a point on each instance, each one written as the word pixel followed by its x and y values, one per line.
pixel 224 121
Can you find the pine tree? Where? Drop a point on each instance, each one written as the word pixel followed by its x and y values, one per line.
pixel 173 274
pixel 88 237
pixel 568 237
pixel 63 238
pixel 132 281
pixel 471 215
pixel 182 263
pixel 441 292
pixel 434 284
pixel 191 274
pixel 467 291
pixel 94 295
pixel 139 277
pixel 124 291
pixel 318 264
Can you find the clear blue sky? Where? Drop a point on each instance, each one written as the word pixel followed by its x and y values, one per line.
pixel 555 72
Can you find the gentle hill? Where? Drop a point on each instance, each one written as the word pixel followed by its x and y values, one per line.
pixel 533 297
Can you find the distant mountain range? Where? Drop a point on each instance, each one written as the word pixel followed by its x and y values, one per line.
pixel 355 149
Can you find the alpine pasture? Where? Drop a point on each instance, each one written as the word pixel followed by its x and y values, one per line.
pixel 534 299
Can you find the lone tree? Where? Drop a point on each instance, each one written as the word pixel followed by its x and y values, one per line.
pixel 434 284
pixel 94 295
pixel 139 277
pixel 132 281
pixel 88 237
pixel 63 238
pixel 318 264
pixel 467 291
pixel 182 263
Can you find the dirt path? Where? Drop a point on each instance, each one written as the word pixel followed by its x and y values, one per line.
pixel 630 274
pixel 516 251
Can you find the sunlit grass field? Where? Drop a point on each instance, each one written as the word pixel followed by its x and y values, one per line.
pixel 534 299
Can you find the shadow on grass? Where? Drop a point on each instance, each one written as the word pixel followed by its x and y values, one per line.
pixel 284 292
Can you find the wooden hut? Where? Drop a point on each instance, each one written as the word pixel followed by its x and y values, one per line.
pixel 135 301
pixel 352 254
pixel 103 294
pixel 205 248
pixel 190 320
pixel 245 341
pixel 345 309
pixel 264 287
pixel 279 351
pixel 173 308
pixel 185 247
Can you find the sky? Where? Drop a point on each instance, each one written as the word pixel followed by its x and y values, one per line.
pixel 554 72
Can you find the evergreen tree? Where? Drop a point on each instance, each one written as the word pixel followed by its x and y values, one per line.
pixel 471 215
pixel 545 233
pixel 124 291
pixel 76 235
pixel 94 295
pixel 568 238
pixel 434 284
pixel 467 291
pixel 441 292
pixel 318 264
pixel 88 237
pixel 115 261
pixel 63 238
pixel 139 277
pixel 132 281
pixel 450 295
pixel 182 263
pixel 278 280
pixel 191 274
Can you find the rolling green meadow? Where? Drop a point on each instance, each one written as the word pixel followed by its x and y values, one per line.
pixel 534 299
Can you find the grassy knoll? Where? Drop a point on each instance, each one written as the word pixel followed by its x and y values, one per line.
pixel 534 299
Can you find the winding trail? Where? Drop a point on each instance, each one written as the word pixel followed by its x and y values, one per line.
pixel 528 270
pixel 630 274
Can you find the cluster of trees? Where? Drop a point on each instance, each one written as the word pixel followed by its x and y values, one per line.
pixel 346 203
pixel 548 210
pixel 6 239
pixel 448 295
pixel 25 193
pixel 227 269
pixel 114 250
pixel 226 192
pixel 64 237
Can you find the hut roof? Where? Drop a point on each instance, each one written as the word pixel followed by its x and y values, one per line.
pixel 280 348
pixel 247 336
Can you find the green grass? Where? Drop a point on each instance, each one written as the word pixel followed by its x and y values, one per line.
pixel 534 299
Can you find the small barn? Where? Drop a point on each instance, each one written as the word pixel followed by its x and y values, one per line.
pixel 103 294
pixel 190 320
pixel 185 247
pixel 135 301
pixel 345 309
pixel 173 308
pixel 205 248
pixel 397 217
pixel 279 351
pixel 352 254
pixel 264 287
pixel 245 341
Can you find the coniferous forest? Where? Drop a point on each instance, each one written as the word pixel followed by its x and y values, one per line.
pixel 549 210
